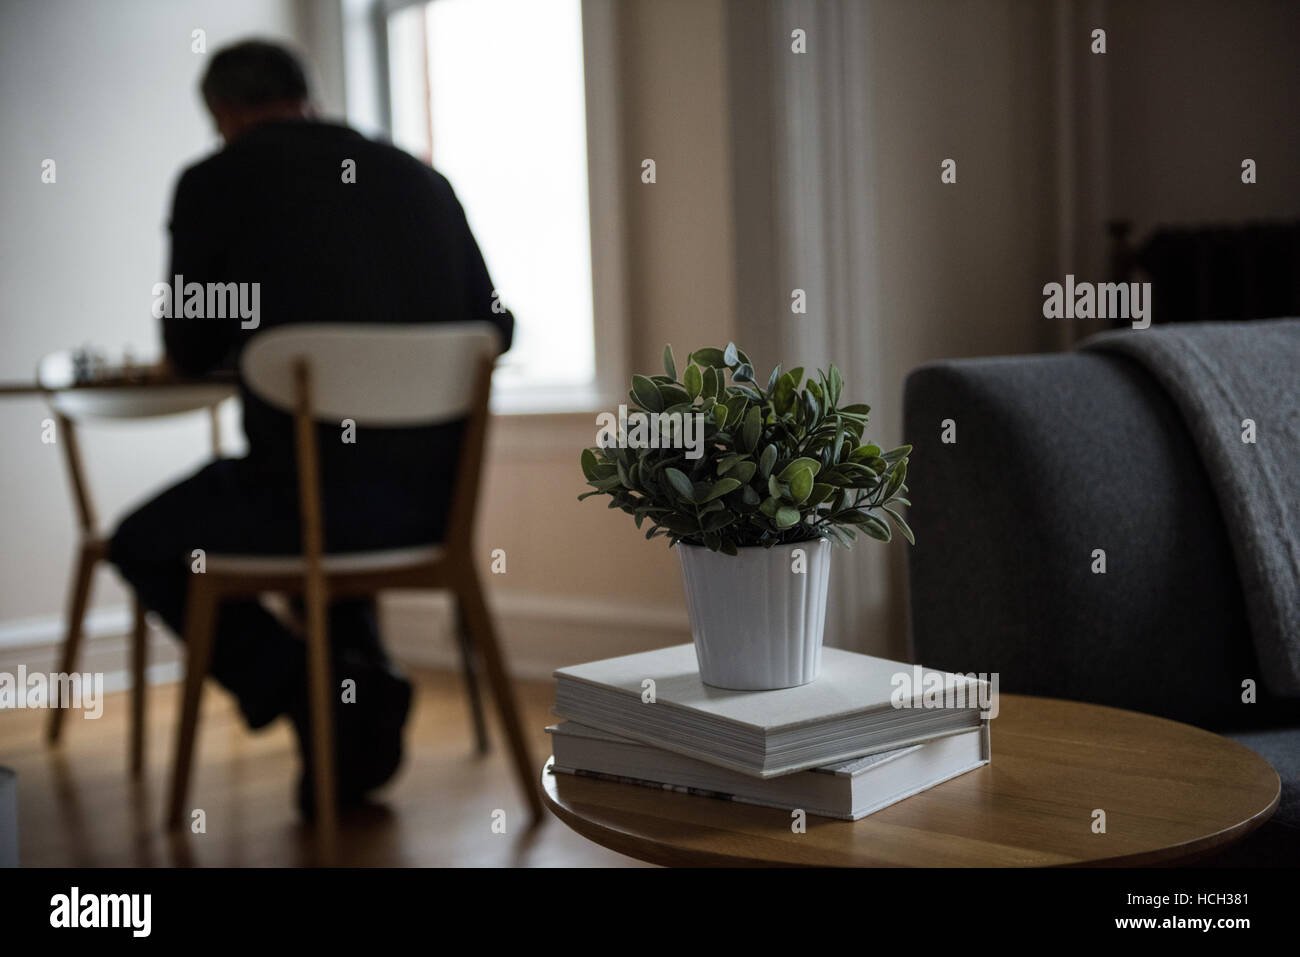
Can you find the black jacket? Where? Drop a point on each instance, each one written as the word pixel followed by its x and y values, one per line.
pixel 394 246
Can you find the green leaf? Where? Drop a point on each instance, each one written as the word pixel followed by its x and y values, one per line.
pixel 692 380
pixel 766 461
pixel 783 396
pixel 747 495
pixel 589 463
pixel 772 379
pixel 672 394
pixel 736 406
pixel 835 383
pixel 869 524
pixel 718 520
pixel 744 472
pixel 729 356
pixel 787 516
pixel 752 427
pixel 721 488
pixel 681 524
pixel 896 480
pixel 840 534
pixel 720 415
pixel 787 473
pixel 709 386
pixel 812 405
pixel 680 483
pixel 646 394
pixel 709 358
pixel 670 367
pixel 729 462
pixel 801 484
pixel 902 525
pixel 821 493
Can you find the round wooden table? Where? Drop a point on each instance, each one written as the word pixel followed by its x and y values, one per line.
pixel 1170 793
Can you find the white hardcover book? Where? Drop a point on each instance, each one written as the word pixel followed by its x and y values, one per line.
pixel 847 790
pixel 858 705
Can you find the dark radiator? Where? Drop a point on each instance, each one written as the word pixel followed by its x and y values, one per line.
pixel 1217 273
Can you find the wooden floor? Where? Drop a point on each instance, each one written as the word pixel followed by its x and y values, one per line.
pixel 78 806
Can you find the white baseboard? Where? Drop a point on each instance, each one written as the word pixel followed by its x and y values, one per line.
pixel 539 633
pixel 105 647
pixel 48 629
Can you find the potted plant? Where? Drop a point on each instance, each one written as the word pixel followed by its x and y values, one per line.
pixel 751 484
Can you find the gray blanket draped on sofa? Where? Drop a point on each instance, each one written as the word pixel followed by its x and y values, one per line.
pixel 1237 386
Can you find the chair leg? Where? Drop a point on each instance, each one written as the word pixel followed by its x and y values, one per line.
pixel 78 597
pixel 200 622
pixel 139 687
pixel 469 667
pixel 321 693
pixel 479 622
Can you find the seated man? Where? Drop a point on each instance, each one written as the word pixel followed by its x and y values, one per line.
pixel 332 228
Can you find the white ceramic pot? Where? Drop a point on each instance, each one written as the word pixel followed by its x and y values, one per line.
pixel 757 619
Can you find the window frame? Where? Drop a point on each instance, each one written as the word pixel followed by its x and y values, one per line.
pixel 369 109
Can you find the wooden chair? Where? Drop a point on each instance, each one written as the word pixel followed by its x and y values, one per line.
pixel 72 405
pixel 382 375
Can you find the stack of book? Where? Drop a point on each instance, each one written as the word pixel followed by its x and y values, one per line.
pixel 861 737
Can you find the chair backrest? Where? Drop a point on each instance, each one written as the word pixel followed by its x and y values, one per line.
pixel 375 374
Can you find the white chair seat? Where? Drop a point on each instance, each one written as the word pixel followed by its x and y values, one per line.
pixel 343 563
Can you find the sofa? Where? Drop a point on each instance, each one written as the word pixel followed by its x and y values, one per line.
pixel 1023 468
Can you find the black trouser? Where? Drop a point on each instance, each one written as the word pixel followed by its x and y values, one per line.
pixel 233 507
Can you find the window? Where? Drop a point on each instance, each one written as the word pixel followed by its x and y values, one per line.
pixel 491 92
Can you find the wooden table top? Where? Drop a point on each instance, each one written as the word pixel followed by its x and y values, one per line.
pixel 147 377
pixel 1171 793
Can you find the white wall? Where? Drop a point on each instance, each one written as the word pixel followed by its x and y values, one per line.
pixel 108 91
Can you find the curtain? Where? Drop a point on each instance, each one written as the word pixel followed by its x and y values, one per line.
pixel 803 199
